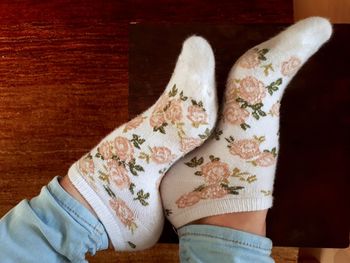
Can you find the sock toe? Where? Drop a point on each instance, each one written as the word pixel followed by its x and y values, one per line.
pixel 196 60
pixel 305 37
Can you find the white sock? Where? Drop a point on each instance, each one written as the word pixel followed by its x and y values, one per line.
pixel 120 177
pixel 234 170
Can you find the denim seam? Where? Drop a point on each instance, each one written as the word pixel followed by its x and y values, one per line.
pixel 224 239
pixel 94 228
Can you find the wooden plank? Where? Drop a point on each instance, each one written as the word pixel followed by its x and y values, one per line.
pixel 338 11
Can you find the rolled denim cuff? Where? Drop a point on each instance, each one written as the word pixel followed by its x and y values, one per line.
pixel 206 243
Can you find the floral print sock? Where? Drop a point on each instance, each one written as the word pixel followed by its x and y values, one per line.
pixel 234 170
pixel 120 177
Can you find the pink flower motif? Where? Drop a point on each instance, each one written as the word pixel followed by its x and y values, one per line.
pixel 213 191
pixel 157 118
pixel 134 123
pixel 265 159
pixel 234 114
pixel 275 109
pixel 249 60
pixel 86 166
pixel 123 212
pixel 231 92
pixel 118 174
pixel 215 172
pixel 162 102
pixel 105 150
pixel 123 148
pixel 251 90
pixel 189 143
pixel 246 148
pixel 174 112
pixel 188 199
pixel 161 155
pixel 197 115
pixel 290 66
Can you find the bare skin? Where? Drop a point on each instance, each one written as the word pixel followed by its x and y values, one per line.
pixel 68 186
pixel 252 222
pixel 70 189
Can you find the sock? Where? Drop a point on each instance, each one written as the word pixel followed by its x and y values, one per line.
pixel 120 177
pixel 234 170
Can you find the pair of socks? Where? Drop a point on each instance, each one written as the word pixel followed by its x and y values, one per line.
pixel 233 167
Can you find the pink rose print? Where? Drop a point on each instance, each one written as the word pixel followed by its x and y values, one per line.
pixel 174 112
pixel 157 118
pixel 290 66
pixel 215 172
pixel 246 148
pixel 188 143
pixel 251 90
pixel 123 212
pixel 123 148
pixel 213 191
pixel 188 199
pixel 118 174
pixel 161 155
pixel 265 159
pixel 86 166
pixel 234 114
pixel 197 115
pixel 249 59
pixel 162 102
pixel 275 109
pixel 134 123
pixel 231 92
pixel 105 149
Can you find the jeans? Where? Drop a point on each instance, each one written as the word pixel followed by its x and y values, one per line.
pixel 54 227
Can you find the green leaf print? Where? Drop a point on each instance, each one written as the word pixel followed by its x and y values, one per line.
pixel 134 168
pixel 132 245
pixel 262 53
pixel 173 91
pixel 109 191
pixel 141 196
pixel 274 86
pixel 182 97
pixel 137 141
pixel 194 162
pixel 131 188
pixel 205 135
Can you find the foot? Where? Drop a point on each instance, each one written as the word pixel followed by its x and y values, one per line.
pixel 120 177
pixel 234 170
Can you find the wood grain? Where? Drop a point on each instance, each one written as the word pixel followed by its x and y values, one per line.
pixel 64 77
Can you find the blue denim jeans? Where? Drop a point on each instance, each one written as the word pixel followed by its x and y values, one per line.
pixel 54 227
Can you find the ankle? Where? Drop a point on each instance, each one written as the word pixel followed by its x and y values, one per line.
pixel 70 189
pixel 253 222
